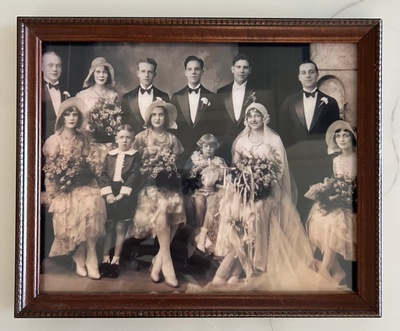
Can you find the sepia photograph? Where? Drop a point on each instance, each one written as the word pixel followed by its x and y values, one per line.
pixel 198 169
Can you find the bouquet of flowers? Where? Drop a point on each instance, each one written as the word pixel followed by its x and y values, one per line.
pixel 257 175
pixel 104 119
pixel 160 164
pixel 199 163
pixel 69 171
pixel 333 193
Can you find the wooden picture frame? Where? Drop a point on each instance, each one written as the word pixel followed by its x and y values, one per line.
pixel 34 32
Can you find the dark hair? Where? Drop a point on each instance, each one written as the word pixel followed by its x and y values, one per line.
pixel 208 138
pixel 126 127
pixel 309 62
pixel 166 118
pixel 60 123
pixel 253 109
pixel 148 60
pixel 353 138
pixel 239 57
pixel 91 81
pixel 194 58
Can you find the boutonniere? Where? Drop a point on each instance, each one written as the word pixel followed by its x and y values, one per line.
pixel 66 94
pixel 324 101
pixel 205 102
pixel 250 99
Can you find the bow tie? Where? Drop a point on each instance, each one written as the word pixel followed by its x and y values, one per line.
pixel 56 86
pixel 308 94
pixel 143 91
pixel 195 90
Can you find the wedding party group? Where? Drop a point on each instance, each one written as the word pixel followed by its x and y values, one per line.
pixel 269 195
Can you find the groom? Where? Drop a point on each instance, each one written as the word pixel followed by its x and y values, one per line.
pixel 304 118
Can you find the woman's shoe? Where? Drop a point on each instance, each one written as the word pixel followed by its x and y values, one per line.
pixel 169 273
pixel 234 280
pixel 105 269
pixel 218 281
pixel 80 269
pixel 155 270
pixel 171 281
pixel 93 273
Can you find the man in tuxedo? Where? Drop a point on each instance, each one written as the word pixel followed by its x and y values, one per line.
pixel 232 101
pixel 52 92
pixel 135 102
pixel 193 104
pixel 304 118
pixel 52 96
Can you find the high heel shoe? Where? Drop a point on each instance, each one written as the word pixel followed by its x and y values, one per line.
pixel 80 269
pixel 154 271
pixel 93 273
pixel 169 273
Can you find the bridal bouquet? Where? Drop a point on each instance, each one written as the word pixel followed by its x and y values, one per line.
pixel 104 119
pixel 199 163
pixel 69 171
pixel 333 193
pixel 257 174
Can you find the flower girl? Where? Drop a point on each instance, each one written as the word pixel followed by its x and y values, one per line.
pixel 210 169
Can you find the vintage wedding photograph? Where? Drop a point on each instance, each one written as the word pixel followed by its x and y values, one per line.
pixel 198 168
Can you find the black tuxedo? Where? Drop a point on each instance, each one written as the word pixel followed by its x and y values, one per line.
pixel 188 132
pixel 49 114
pixel 227 128
pixel 306 148
pixel 130 107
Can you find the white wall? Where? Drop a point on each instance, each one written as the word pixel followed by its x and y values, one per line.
pixel 387 9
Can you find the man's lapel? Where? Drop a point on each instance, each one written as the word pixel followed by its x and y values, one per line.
pixel 319 106
pixel 299 108
pixel 183 100
pixel 134 104
pixel 201 107
pixel 228 101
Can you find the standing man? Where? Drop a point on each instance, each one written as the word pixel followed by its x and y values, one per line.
pixel 193 103
pixel 135 102
pixel 303 121
pixel 233 99
pixel 52 96
pixel 52 93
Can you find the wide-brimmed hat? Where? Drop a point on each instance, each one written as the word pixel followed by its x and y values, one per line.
pixel 71 102
pixel 330 135
pixel 169 107
pixel 261 109
pixel 99 62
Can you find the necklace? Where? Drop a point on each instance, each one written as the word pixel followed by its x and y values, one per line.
pixel 101 93
pixel 160 137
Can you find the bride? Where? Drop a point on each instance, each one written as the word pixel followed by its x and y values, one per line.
pixel 261 235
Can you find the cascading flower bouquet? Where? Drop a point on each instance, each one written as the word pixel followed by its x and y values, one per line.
pixel 334 193
pixel 69 171
pixel 256 175
pixel 104 119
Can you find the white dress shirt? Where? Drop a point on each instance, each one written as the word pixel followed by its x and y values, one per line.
pixel 194 99
pixel 238 92
pixel 309 107
pixel 55 96
pixel 145 100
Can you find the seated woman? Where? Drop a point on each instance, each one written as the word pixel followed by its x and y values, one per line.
pixel 260 234
pixel 332 223
pixel 160 209
pixel 72 193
